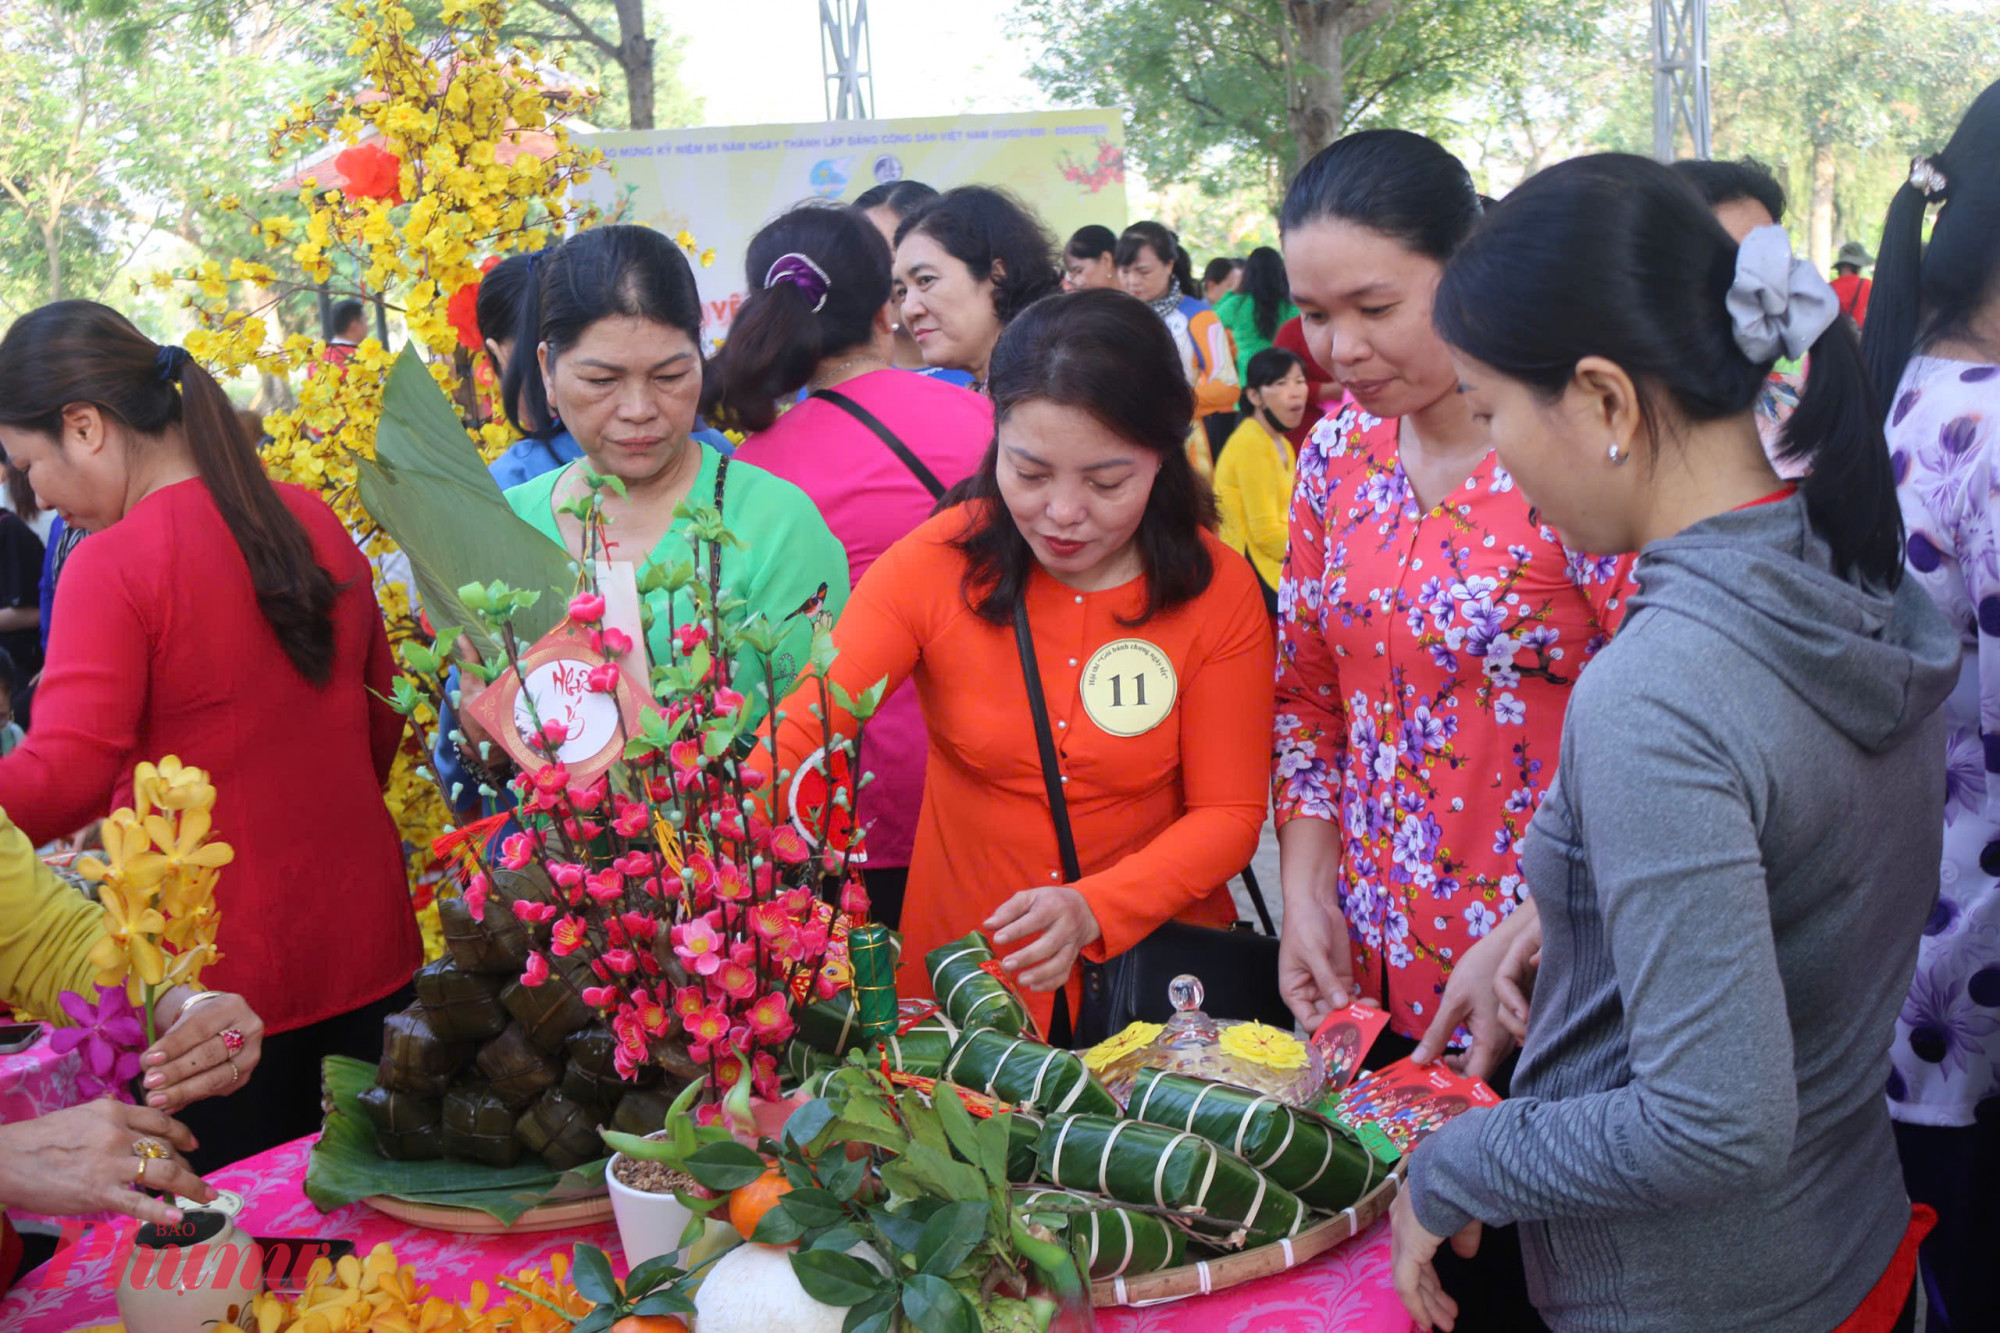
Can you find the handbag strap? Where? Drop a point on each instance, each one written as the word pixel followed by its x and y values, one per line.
pixel 1045 740
pixel 861 414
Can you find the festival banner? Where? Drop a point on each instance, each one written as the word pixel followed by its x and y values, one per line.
pixel 722 183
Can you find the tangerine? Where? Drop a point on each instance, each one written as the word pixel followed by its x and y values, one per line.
pixel 749 1203
pixel 650 1323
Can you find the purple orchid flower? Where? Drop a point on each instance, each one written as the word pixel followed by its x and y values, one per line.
pixel 111 1036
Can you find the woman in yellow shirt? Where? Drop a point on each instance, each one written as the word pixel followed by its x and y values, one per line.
pixel 1253 476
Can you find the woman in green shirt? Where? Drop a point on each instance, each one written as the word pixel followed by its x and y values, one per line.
pixel 615 322
pixel 1261 303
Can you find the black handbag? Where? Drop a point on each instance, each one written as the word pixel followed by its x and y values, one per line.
pixel 1238 968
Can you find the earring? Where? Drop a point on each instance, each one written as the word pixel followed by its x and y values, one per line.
pixel 1616 457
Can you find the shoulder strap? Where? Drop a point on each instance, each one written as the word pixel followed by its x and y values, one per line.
pixel 874 423
pixel 715 548
pixel 1045 740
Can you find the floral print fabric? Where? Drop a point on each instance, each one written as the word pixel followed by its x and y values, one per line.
pixel 1944 441
pixel 1425 660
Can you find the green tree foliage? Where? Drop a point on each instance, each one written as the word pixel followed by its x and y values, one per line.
pixel 1838 95
pixel 124 122
pixel 1233 94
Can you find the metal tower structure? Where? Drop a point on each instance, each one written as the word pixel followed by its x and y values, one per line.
pixel 1680 75
pixel 848 59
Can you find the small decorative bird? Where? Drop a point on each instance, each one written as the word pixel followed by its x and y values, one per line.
pixel 811 606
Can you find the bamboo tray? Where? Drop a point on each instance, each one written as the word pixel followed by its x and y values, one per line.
pixel 1232 1270
pixel 568 1215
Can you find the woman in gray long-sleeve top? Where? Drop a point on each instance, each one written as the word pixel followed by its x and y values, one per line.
pixel 1739 851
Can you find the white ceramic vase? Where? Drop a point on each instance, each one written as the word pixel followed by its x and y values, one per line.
pixel 649 1225
pixel 190 1281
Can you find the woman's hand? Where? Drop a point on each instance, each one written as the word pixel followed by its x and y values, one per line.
pixel 1515 982
pixel 192 1059
pixel 1411 1249
pixel 1063 919
pixel 1315 968
pixel 1472 997
pixel 81 1161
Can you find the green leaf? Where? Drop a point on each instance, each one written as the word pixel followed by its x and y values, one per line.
pixel 724 1166
pixel 849 1131
pixel 953 1233
pixel 933 1172
pixel 651 1274
pixel 839 1239
pixel 592 1275
pixel 923 1123
pixel 957 1121
pixel 935 1306
pixel 898 1227
pixel 670 1301
pixel 836 1279
pixel 430 490
pixel 814 1207
pixel 779 1226
pixel 603 1317
pixel 994 1135
pixel 806 1123
pixel 843 1179
pixel 877 1314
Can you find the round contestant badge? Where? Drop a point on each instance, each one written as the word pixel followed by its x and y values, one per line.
pixel 1128 687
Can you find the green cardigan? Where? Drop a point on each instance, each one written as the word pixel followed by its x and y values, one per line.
pixel 787 554
pixel 1238 314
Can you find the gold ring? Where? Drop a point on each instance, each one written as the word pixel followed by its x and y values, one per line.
pixel 149 1148
pixel 235 1074
pixel 139 1176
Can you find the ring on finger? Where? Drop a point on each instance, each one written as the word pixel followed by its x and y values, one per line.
pixel 235 1073
pixel 232 1041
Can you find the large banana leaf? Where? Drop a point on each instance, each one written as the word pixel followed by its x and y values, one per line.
pixel 344 1166
pixel 429 489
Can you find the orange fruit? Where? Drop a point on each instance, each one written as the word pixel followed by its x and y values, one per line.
pixel 650 1323
pixel 749 1203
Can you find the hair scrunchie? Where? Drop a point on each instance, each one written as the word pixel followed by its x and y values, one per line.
pixel 1926 176
pixel 167 364
pixel 800 272
pixel 1778 301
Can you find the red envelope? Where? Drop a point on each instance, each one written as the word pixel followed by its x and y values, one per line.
pixel 557 671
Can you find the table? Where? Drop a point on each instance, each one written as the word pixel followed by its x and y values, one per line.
pixel 1345 1291
pixel 37 1081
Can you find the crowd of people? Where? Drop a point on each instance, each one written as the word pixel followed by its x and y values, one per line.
pixel 1596 592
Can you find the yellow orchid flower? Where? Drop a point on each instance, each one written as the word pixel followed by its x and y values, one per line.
pixel 184 846
pixel 133 926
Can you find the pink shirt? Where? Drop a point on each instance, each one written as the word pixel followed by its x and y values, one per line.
pixel 871 500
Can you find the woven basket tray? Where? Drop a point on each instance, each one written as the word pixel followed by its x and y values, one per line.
pixel 1211 1275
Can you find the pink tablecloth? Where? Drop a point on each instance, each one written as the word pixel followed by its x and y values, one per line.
pixel 1346 1291
pixel 37 1081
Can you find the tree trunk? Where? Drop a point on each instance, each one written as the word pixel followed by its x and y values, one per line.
pixel 635 57
pixel 1819 231
pixel 1318 30
pixel 52 247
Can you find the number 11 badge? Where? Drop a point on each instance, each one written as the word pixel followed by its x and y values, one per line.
pixel 1128 687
